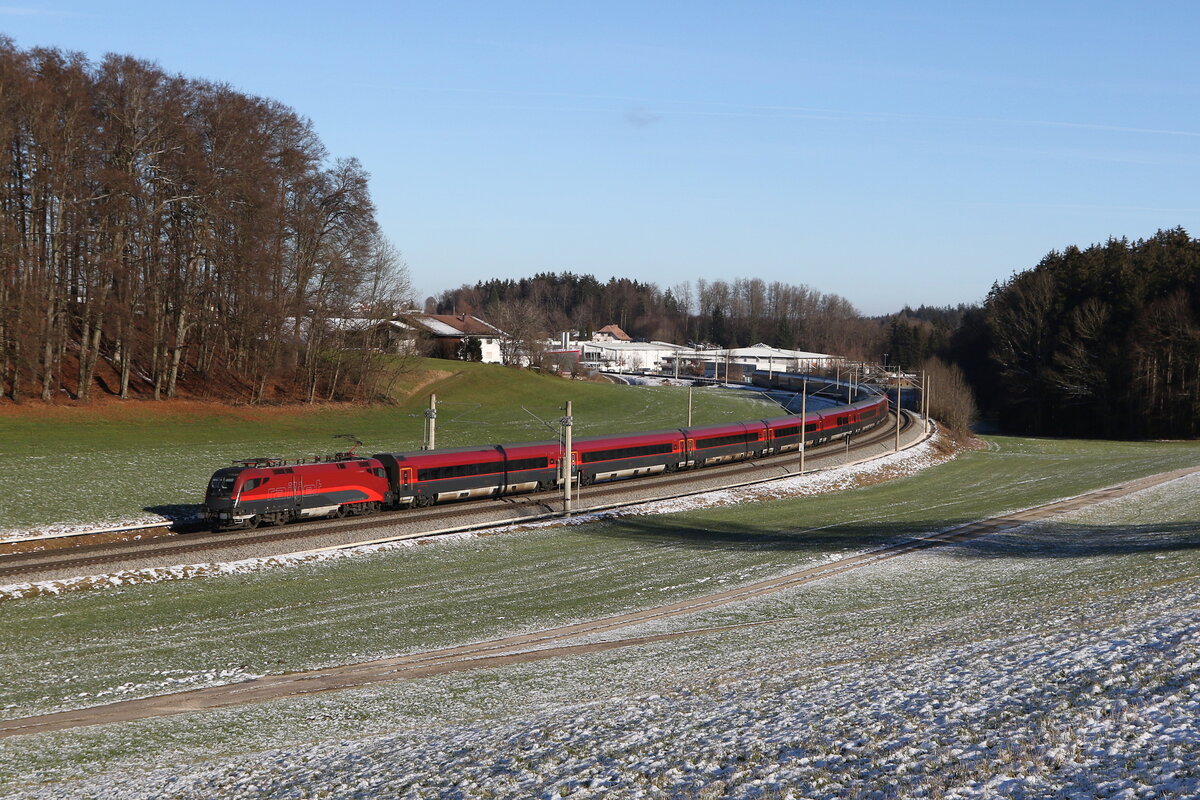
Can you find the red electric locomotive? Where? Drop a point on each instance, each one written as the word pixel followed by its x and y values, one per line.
pixel 269 491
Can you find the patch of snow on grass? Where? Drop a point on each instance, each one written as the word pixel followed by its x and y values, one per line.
pixel 1093 710
pixel 71 529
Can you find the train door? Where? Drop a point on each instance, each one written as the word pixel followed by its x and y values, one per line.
pixel 556 465
pixel 691 452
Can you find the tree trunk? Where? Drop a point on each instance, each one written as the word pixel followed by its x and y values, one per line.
pixel 125 362
pixel 181 329
pixel 16 371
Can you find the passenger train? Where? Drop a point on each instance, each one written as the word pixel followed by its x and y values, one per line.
pixel 269 491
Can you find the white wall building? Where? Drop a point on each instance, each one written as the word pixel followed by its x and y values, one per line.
pixel 452 329
pixel 617 356
pixel 748 359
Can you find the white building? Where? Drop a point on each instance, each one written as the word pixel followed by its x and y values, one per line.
pixel 618 356
pixel 745 360
pixel 450 332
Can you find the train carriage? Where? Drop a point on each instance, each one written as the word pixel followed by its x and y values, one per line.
pixel 423 477
pixel 629 455
pixel 783 433
pixel 721 443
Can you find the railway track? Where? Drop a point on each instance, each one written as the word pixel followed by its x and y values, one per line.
pixel 169 550
pixel 551 642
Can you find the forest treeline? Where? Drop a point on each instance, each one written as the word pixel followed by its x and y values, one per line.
pixel 158 231
pixel 735 313
pixel 1102 341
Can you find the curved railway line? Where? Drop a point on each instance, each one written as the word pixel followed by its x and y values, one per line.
pixel 173 549
pixel 547 643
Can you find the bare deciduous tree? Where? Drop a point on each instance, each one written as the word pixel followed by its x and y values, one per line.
pixel 155 229
pixel 525 328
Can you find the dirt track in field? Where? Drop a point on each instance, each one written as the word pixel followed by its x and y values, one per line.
pixel 545 644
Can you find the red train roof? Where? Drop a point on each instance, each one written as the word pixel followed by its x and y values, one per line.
pixel 723 430
pixel 312 468
pixel 439 458
pixel 623 440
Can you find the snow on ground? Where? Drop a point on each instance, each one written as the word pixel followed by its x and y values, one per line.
pixel 895 465
pixel 654 380
pixel 1062 662
pixel 72 529
pixel 1104 705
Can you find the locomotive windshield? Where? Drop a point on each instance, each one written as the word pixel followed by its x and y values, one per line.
pixel 222 482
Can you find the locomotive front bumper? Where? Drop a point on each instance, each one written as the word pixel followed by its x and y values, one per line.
pixel 225 513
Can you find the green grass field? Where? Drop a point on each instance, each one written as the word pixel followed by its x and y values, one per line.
pixel 92 647
pixel 78 466
pixel 141 640
pixel 1052 578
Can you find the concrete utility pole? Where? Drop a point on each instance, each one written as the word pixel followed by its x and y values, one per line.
pixel 927 394
pixel 803 421
pixel 897 408
pixel 920 387
pixel 568 461
pixel 690 405
pixel 430 424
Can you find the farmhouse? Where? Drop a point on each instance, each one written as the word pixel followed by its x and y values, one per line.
pixel 611 333
pixel 454 335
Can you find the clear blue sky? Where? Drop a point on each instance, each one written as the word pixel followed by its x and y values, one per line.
pixel 889 152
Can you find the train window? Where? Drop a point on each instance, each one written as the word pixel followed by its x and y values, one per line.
pixel 460 471
pixel 721 441
pixel 518 464
pixel 378 472
pixel 810 427
pixel 626 452
pixel 793 430
pixel 253 483
pixel 843 420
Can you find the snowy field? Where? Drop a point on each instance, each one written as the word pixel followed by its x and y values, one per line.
pixel 1058 660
